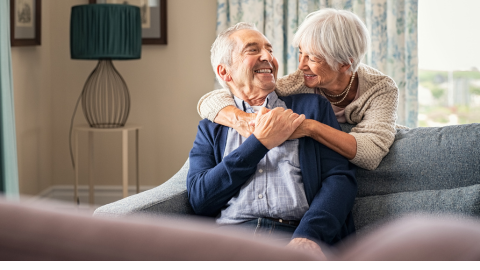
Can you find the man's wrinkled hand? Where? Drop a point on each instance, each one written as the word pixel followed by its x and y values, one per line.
pixel 274 127
pixel 304 244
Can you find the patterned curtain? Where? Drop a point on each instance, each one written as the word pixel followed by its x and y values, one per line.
pixel 8 144
pixel 392 25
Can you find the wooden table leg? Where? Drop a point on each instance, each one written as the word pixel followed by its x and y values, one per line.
pixel 75 190
pixel 91 167
pixel 137 161
pixel 125 162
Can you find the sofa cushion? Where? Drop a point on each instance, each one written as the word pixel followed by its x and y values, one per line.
pixel 369 212
pixel 170 198
pixel 432 158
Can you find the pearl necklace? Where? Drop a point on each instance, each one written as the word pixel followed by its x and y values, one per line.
pixel 345 92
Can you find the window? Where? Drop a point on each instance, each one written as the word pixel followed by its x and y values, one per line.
pixel 449 62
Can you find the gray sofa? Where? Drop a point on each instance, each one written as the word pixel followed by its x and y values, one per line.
pixel 428 170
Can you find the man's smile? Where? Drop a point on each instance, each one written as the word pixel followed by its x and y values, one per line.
pixel 264 70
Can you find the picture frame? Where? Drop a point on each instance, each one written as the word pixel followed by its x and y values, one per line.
pixel 154 18
pixel 25 22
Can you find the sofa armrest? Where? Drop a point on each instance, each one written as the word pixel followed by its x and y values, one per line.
pixel 170 198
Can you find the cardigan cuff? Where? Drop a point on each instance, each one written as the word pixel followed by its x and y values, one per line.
pixel 252 150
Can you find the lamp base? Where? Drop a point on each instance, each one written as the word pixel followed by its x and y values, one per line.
pixel 106 125
pixel 105 97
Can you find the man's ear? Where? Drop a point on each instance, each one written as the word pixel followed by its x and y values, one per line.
pixel 224 73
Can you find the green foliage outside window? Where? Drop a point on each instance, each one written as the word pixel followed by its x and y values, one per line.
pixel 466 87
pixel 475 90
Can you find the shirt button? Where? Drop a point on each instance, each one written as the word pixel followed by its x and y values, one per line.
pixel 260 196
pixel 260 171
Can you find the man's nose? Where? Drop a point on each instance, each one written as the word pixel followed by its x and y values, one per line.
pixel 265 55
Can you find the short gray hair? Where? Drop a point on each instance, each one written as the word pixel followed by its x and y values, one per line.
pixel 335 35
pixel 223 47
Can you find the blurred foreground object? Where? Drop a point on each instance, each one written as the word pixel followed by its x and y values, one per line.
pixel 42 232
pixel 419 238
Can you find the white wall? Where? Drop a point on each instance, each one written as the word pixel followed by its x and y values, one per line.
pixel 165 85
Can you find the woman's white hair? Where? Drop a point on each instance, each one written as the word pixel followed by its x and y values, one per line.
pixel 338 36
pixel 223 47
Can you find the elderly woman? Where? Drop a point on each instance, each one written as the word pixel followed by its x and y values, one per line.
pixel 331 45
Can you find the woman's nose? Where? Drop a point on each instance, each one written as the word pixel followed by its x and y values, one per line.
pixel 302 62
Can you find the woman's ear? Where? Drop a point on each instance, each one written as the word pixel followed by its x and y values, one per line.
pixel 224 73
pixel 345 67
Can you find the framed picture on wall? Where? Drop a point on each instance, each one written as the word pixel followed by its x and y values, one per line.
pixel 154 18
pixel 25 22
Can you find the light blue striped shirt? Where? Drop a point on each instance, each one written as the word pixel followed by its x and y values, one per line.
pixel 276 189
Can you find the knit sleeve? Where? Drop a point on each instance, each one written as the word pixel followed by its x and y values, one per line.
pixel 375 130
pixel 213 102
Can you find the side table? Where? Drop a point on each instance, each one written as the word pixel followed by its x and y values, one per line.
pixel 124 130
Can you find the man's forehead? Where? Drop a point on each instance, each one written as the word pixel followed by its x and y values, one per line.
pixel 250 36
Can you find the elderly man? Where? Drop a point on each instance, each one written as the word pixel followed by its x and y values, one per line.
pixel 267 181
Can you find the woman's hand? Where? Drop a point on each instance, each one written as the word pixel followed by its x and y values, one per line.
pixel 242 122
pixel 337 140
pixel 303 130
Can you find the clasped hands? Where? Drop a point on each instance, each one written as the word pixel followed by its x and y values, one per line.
pixel 273 127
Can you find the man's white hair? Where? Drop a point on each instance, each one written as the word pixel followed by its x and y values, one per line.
pixel 338 36
pixel 223 48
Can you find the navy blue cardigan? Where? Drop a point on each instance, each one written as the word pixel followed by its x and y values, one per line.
pixel 329 178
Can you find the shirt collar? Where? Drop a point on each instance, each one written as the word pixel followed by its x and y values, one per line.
pixel 269 102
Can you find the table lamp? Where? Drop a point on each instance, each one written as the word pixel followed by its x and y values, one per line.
pixel 105 32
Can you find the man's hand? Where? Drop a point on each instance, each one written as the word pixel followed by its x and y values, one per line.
pixel 274 127
pixel 303 244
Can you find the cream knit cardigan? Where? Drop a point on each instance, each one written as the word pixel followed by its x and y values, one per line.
pixel 374 112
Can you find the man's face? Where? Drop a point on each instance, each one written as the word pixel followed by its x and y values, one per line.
pixel 254 68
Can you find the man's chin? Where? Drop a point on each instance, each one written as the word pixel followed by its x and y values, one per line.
pixel 269 87
pixel 270 82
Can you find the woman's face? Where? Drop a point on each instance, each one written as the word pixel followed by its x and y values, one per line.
pixel 317 73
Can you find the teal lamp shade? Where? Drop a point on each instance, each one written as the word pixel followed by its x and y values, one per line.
pixel 105 32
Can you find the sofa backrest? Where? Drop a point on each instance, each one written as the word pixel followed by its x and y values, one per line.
pixel 431 158
pixel 427 171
